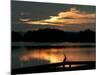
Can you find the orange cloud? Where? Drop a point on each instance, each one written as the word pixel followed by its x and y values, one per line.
pixel 74 13
pixel 73 16
pixel 26 19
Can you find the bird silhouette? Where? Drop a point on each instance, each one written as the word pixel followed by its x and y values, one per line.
pixel 64 60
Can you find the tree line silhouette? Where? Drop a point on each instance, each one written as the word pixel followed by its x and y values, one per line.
pixel 53 35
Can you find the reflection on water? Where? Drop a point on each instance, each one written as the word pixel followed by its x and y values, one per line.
pixel 52 55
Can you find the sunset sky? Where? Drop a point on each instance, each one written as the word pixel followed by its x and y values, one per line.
pixel 67 17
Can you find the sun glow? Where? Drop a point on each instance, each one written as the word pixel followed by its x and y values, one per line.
pixel 44 55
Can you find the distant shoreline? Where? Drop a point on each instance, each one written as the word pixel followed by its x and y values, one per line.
pixel 51 44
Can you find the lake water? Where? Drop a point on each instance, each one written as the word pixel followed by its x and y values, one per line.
pixel 25 57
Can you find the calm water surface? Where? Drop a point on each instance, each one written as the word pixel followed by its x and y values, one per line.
pixel 24 57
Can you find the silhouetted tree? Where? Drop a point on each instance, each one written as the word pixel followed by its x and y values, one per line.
pixel 54 35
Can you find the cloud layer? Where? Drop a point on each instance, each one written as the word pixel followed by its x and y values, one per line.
pixel 73 16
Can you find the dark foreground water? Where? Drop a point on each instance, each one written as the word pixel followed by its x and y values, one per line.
pixel 25 56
